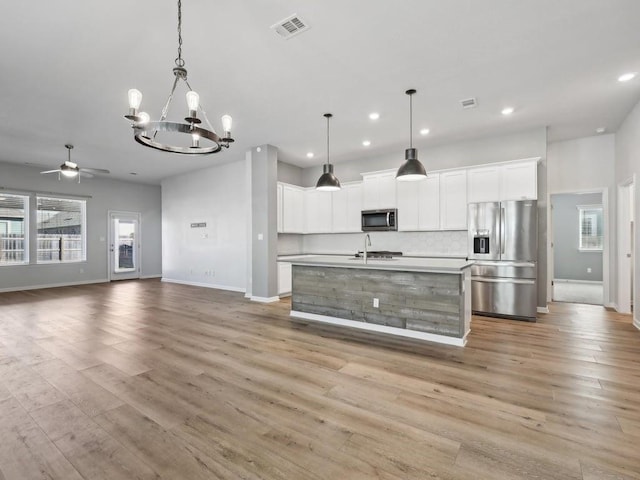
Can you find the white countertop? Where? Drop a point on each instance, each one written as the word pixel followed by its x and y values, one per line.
pixel 441 265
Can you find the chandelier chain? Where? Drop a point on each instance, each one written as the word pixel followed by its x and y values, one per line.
pixel 410 120
pixel 328 140
pixel 179 60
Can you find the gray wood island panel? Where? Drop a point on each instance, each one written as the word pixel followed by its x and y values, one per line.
pixel 408 299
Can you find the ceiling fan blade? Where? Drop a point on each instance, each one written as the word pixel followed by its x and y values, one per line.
pixel 94 170
pixel 51 171
pixel 85 174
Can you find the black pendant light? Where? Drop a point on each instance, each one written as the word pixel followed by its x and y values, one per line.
pixel 328 182
pixel 411 169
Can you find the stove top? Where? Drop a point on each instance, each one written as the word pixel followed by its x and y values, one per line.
pixel 379 254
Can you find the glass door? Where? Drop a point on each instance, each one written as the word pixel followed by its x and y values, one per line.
pixel 124 246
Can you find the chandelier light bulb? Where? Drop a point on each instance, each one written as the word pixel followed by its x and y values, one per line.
pixel 227 121
pixel 135 98
pixel 193 100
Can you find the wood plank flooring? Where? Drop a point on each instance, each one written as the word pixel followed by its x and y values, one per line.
pixel 143 379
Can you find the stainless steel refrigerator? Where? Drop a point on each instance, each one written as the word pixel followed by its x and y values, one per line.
pixel 503 241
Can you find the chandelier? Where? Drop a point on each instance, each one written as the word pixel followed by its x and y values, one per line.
pixel 146 132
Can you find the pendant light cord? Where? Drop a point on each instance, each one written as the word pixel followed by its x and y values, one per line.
pixel 411 120
pixel 328 140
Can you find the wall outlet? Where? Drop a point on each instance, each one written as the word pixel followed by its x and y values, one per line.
pixel 376 303
pixel 589 270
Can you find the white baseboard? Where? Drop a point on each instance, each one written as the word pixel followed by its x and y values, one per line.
pixel 543 309
pixel 247 294
pixel 567 280
pixel 144 277
pixel 612 305
pixel 431 337
pixel 636 322
pixel 53 285
pixel 205 285
pixel 285 295
pixel 265 299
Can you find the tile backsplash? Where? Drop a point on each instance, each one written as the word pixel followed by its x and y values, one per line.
pixel 446 243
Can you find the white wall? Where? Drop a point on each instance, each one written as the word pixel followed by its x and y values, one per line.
pixel 214 256
pixel 627 165
pixel 587 165
pixel 105 195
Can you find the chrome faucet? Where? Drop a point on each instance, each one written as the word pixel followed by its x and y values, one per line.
pixel 367 238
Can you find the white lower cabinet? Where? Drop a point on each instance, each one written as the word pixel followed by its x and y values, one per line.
pixel 284 278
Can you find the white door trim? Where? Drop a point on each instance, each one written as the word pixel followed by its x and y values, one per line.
pixel 624 267
pixel 110 232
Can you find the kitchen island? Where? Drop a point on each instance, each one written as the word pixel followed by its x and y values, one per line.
pixel 424 298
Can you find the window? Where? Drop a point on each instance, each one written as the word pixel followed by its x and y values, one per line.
pixel 61 230
pixel 14 213
pixel 591 227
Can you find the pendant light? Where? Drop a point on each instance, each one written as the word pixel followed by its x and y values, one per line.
pixel 411 169
pixel 328 182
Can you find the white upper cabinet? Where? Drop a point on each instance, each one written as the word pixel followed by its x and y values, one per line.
pixel 453 200
pixel 292 209
pixel 483 184
pixel 379 190
pixel 419 204
pixel 429 202
pixel 519 181
pixel 507 181
pixel 347 207
pixel 318 211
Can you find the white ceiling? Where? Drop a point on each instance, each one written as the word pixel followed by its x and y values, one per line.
pixel 67 66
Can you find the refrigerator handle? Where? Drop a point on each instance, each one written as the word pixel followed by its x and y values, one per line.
pixel 502 232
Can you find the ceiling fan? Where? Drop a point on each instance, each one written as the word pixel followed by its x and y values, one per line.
pixel 70 169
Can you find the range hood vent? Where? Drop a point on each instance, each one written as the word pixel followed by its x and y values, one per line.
pixel 290 26
pixel 469 103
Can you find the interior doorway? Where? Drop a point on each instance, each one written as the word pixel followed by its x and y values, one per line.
pixel 124 245
pixel 626 216
pixel 579 247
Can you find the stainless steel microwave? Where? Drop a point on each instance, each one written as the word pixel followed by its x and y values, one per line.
pixel 380 220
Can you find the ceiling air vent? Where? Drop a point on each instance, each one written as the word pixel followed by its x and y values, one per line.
pixel 469 103
pixel 290 26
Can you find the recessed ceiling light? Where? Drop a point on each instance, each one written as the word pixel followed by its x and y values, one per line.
pixel 133 173
pixel 507 110
pixel 309 154
pixel 627 76
pixel 424 131
pixel 374 116
pixel 366 143
pixel 601 130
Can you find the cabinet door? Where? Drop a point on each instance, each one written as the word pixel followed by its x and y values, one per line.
pixel 520 181
pixel 318 211
pixel 428 202
pixel 292 209
pixel 370 187
pixel 409 205
pixel 387 190
pixel 340 205
pixel 284 278
pixel 484 184
pixel 453 200
pixel 354 207
pixel 279 208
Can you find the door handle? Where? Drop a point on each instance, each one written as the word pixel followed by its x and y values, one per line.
pixel 502 232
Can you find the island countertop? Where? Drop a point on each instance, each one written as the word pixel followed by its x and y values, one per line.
pixel 436 265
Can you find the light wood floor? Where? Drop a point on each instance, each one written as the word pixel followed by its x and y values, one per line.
pixel 145 379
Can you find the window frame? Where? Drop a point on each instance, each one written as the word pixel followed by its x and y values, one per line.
pixel 582 209
pixel 26 223
pixel 83 228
